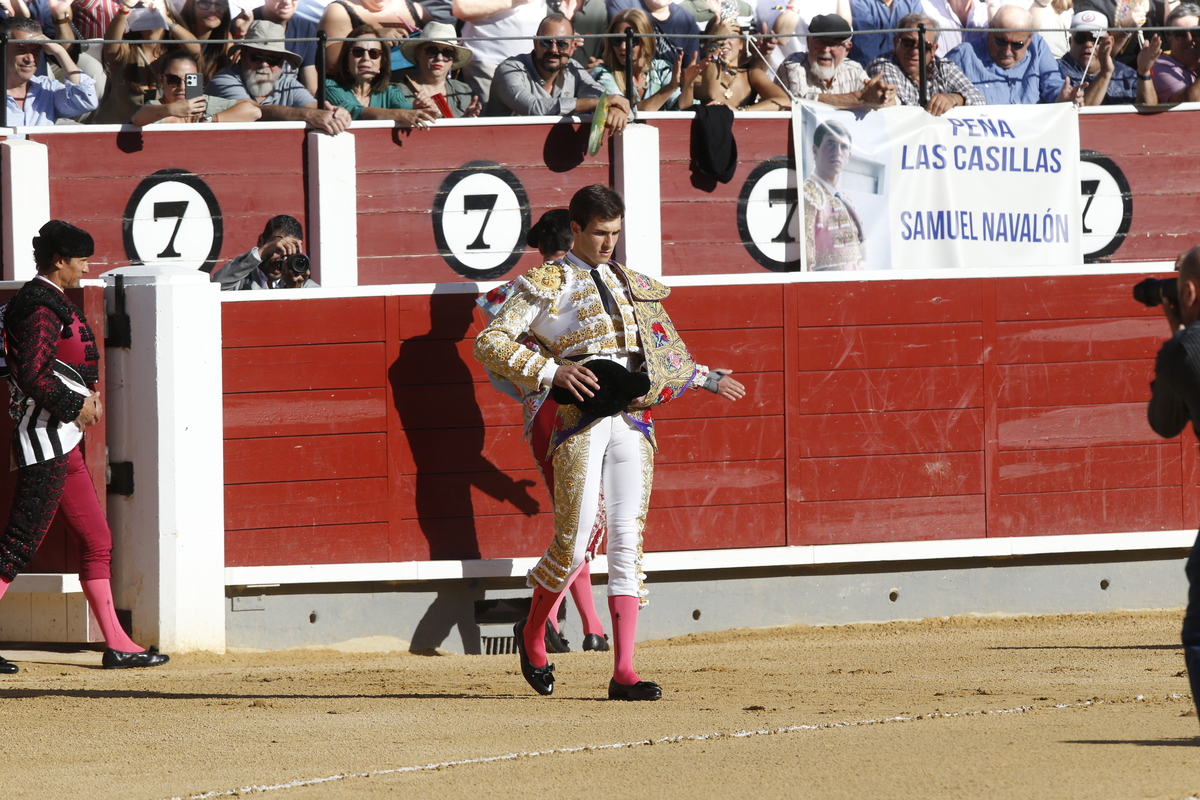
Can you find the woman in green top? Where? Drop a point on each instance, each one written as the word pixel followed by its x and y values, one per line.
pixel 656 82
pixel 362 87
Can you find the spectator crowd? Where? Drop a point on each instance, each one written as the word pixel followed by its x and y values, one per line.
pixel 147 62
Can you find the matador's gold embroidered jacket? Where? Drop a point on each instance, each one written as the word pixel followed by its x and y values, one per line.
pixel 559 304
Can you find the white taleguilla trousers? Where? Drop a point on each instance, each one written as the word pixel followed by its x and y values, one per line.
pixel 616 453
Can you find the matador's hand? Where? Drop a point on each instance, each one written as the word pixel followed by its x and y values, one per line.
pixel 727 387
pixel 579 380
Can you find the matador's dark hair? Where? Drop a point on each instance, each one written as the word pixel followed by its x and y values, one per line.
pixel 552 233
pixel 596 202
pixel 62 239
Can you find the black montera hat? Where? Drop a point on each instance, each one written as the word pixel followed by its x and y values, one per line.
pixel 618 388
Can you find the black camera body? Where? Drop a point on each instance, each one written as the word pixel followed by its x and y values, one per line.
pixel 1153 291
pixel 298 263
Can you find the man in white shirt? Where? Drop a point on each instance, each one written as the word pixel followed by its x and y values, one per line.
pixel 496 18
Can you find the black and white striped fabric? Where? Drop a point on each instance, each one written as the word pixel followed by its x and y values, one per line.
pixel 38 435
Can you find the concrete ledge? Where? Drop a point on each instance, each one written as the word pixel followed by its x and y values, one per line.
pixel 46 583
pixel 683 561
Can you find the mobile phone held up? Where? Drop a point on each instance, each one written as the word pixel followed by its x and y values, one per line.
pixel 193 85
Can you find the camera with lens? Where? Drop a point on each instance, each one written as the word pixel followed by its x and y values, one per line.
pixel 298 263
pixel 1154 291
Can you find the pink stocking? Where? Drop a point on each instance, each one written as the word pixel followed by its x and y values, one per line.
pixel 624 611
pixel 4 582
pixel 99 596
pixel 581 593
pixel 535 627
pixel 553 618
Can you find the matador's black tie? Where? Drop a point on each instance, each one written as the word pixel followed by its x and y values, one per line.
pixel 605 295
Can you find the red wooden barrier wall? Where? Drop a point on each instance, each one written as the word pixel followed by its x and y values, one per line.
pixel 361 430
pixel 255 174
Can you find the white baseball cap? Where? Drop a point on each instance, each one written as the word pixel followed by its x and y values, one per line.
pixel 1090 20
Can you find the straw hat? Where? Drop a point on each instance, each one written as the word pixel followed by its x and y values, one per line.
pixel 436 33
pixel 259 36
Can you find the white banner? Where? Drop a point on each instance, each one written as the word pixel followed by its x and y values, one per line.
pixel 983 186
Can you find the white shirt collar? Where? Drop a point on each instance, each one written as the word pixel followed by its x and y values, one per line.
pixel 576 261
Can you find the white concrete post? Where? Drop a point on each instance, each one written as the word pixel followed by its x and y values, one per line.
pixel 24 203
pixel 333 209
pixel 635 167
pixel 165 416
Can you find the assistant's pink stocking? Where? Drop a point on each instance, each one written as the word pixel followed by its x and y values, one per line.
pixel 4 582
pixel 624 611
pixel 535 627
pixel 581 593
pixel 99 596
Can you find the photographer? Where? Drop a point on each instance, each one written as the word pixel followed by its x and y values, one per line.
pixel 278 262
pixel 1175 399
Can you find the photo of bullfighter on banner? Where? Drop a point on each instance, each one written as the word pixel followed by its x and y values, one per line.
pixel 896 188
pixel 845 191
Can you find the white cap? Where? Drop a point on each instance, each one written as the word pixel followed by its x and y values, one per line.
pixel 1089 20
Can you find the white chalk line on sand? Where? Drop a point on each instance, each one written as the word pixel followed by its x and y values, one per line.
pixel 701 737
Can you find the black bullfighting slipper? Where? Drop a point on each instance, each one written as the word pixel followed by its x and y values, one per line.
pixel 540 678
pixel 593 642
pixel 642 690
pixel 555 643
pixel 7 667
pixel 115 659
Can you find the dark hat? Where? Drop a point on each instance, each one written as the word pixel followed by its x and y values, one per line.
pixel 714 150
pixel 618 388
pixel 62 238
pixel 830 25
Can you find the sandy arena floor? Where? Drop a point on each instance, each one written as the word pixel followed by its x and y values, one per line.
pixel 1044 707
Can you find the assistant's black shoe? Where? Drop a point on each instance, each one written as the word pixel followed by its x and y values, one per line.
pixel 593 642
pixel 642 690
pixel 7 667
pixel 115 659
pixel 555 643
pixel 540 678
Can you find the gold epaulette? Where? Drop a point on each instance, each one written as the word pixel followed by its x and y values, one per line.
pixel 544 281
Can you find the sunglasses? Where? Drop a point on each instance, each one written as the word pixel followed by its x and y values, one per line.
pixel 621 42
pixel 208 5
pixel 373 53
pixel 172 80
pixel 448 54
pixel 830 44
pixel 1084 37
pixel 561 45
pixel 912 42
pixel 1008 44
pixel 1184 34
pixel 270 60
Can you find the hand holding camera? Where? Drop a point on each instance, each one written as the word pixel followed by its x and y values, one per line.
pixel 283 255
pixel 280 245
